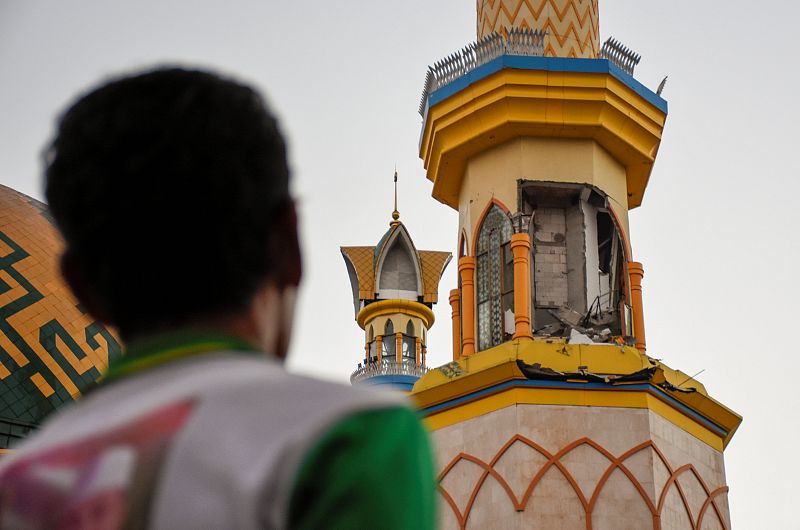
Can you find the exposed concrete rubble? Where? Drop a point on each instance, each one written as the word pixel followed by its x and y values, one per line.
pixel 537 371
pixel 651 374
pixel 576 337
pixel 578 263
pixel 574 327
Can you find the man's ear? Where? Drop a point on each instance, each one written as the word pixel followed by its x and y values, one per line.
pixel 83 290
pixel 284 247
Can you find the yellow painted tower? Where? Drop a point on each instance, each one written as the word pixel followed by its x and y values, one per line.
pixel 394 288
pixel 551 414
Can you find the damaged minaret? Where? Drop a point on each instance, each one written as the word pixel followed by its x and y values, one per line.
pixel 551 413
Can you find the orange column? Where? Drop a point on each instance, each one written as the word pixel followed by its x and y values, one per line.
pixel 379 346
pixel 636 273
pixel 454 298
pixel 398 352
pixel 366 354
pixel 466 270
pixel 419 351
pixel 521 248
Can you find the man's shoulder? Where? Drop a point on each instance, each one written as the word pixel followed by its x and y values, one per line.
pixel 261 380
pixel 249 379
pixel 236 392
pixel 219 422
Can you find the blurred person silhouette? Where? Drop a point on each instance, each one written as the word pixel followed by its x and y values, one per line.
pixel 171 190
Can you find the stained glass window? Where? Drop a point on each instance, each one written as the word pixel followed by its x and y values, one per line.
pixel 494 279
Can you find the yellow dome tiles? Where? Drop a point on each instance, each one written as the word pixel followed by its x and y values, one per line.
pixel 572 25
pixel 362 259
pixel 432 264
pixel 50 350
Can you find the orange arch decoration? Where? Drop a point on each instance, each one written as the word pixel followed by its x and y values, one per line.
pixel 554 460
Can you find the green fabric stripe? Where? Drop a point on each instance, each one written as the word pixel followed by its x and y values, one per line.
pixel 163 348
pixel 371 470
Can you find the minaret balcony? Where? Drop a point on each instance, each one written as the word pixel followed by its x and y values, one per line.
pixel 388 367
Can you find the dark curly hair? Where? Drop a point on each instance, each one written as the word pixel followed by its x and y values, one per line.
pixel 166 186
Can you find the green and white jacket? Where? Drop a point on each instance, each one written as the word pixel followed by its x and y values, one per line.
pixel 202 433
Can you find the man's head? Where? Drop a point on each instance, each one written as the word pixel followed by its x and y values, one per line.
pixel 171 189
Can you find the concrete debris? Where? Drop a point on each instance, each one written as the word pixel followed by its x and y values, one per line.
pixel 567 326
pixel 536 371
pixel 666 385
pixel 576 337
pixel 604 318
pixel 567 316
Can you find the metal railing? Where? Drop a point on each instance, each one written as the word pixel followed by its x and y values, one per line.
pixel 388 367
pixel 620 55
pixel 518 41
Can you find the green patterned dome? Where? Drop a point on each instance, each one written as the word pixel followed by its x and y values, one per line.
pixel 50 350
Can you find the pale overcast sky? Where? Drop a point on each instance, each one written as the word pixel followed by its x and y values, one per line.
pixel 716 231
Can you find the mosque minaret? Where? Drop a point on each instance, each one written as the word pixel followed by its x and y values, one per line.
pixel 394 289
pixel 551 414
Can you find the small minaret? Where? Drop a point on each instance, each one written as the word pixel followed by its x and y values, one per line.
pixel 394 288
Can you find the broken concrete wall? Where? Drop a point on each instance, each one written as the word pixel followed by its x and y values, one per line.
pixel 550 257
pixel 609 250
pixel 592 271
pixel 577 260
pixel 576 257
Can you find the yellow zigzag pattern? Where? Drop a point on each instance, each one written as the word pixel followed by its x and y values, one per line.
pixel 572 25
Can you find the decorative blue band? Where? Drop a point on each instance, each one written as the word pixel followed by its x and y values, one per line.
pixel 525 383
pixel 549 64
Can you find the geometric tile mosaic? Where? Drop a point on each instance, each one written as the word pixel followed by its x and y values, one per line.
pixel 51 351
pixel 571 25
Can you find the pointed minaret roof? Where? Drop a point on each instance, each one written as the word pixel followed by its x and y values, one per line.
pixel 363 262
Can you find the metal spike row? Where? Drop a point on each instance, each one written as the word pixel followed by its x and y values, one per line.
pixel 519 41
pixel 619 54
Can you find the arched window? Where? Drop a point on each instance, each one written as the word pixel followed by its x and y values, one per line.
pixel 495 279
pixel 389 342
pixel 410 343
pixel 373 351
